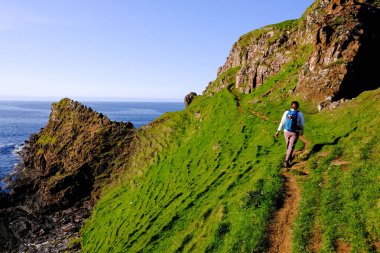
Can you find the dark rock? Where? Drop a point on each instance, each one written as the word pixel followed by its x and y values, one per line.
pixel 189 98
pixel 20 228
pixel 21 231
pixel 59 164
pixel 5 200
pixel 343 63
pixel 59 178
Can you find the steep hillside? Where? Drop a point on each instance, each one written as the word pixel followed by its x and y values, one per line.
pixel 216 185
pixel 62 170
pixel 341 35
pixel 205 191
pixel 340 198
pixel 209 178
pixel 73 147
pixel 216 182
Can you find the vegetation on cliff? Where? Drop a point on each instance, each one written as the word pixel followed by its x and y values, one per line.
pixel 69 155
pixel 206 190
pixel 342 35
pixel 215 185
pixel 208 178
pixel 340 199
pixel 61 174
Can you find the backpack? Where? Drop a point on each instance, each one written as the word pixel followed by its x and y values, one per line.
pixel 291 123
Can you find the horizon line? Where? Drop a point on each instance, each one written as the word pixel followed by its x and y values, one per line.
pixel 6 98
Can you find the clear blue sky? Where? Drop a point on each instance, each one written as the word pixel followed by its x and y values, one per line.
pixel 120 49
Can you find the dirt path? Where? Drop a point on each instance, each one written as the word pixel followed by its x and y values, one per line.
pixel 258 114
pixel 281 227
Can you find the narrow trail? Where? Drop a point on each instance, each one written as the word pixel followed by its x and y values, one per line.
pixel 260 115
pixel 281 227
pixel 238 104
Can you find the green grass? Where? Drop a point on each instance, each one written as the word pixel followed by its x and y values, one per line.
pixel 278 29
pixel 196 193
pixel 225 79
pixel 341 197
pixel 215 184
pixel 207 179
pixel 45 140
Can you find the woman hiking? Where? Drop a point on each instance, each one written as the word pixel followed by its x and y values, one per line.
pixel 292 123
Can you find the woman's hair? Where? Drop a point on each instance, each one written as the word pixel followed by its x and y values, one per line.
pixel 295 103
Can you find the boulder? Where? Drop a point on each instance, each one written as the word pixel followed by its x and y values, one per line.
pixel 189 98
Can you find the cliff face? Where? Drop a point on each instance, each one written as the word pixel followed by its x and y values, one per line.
pixel 213 150
pixel 61 164
pixel 258 55
pixel 343 62
pixel 62 171
pixel 343 37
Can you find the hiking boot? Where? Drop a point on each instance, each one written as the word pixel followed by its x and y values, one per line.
pixel 287 164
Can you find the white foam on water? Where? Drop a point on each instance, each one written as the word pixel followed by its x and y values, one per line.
pixel 7 145
pixel 18 148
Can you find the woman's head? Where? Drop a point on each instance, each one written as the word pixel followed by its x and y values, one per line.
pixel 295 105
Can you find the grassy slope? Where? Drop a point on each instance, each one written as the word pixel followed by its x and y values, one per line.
pixel 341 196
pixel 279 28
pixel 216 182
pixel 214 177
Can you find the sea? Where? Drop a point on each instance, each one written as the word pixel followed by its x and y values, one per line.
pixel 18 120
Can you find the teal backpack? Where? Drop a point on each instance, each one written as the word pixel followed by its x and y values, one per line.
pixel 291 123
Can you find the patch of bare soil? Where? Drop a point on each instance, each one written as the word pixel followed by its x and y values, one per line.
pixel 281 227
pixel 280 230
pixel 316 240
pixel 260 115
pixel 339 162
pixel 342 247
pixel 376 245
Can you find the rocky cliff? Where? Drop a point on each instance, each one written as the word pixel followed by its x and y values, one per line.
pixel 62 170
pixel 338 36
pixel 345 36
pixel 68 159
pixel 187 172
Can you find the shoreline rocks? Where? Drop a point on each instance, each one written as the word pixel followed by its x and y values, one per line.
pixel 59 178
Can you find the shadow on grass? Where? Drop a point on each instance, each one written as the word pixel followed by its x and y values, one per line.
pixel 318 147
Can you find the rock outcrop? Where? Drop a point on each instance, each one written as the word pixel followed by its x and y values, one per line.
pixel 189 98
pixel 66 164
pixel 262 55
pixel 346 50
pixel 59 179
pixel 258 55
pixel 343 36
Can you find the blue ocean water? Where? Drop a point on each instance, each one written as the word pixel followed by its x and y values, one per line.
pixel 20 119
